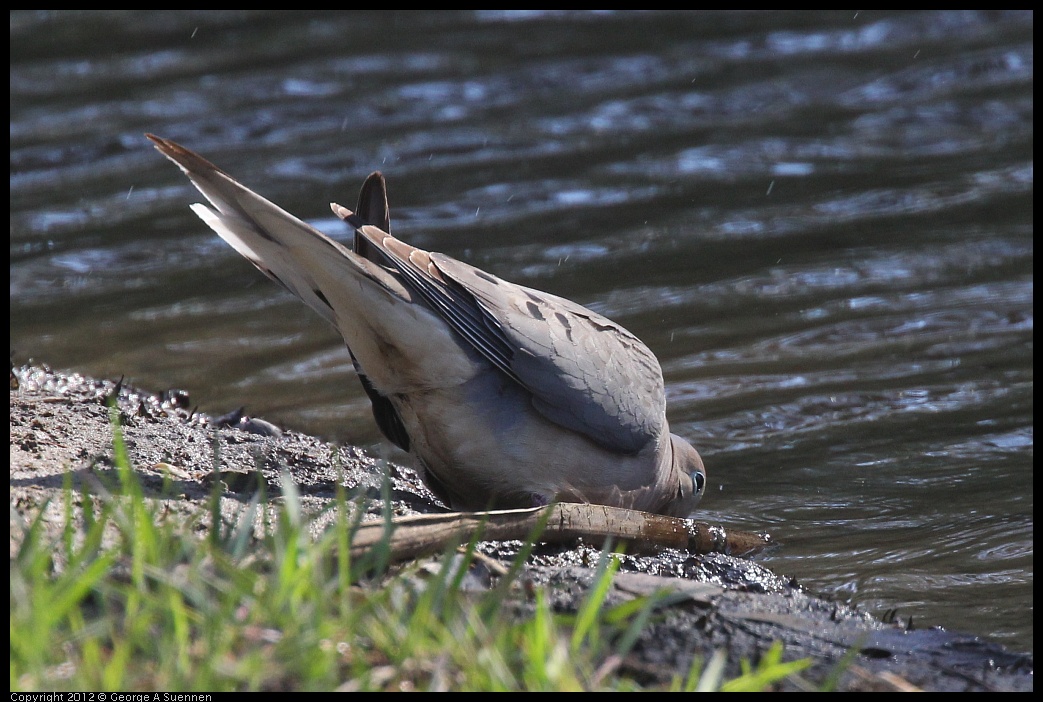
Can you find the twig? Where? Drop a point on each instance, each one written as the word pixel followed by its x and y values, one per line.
pixel 559 523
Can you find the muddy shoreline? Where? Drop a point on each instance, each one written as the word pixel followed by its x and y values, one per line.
pixel 60 425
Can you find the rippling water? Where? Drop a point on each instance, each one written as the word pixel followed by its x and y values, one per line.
pixel 820 222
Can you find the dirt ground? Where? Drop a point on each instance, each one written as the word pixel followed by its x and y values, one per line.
pixel 60 425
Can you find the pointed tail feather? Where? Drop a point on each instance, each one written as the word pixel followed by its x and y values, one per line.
pixel 289 251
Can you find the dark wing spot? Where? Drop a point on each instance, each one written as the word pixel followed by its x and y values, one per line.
pixel 318 293
pixel 564 322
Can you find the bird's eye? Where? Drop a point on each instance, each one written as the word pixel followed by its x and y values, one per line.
pixel 699 480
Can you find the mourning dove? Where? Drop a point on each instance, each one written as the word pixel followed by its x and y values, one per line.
pixel 506 396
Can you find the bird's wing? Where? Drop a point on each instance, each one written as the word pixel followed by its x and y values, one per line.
pixel 585 372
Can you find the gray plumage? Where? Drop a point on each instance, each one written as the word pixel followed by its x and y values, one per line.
pixel 506 396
